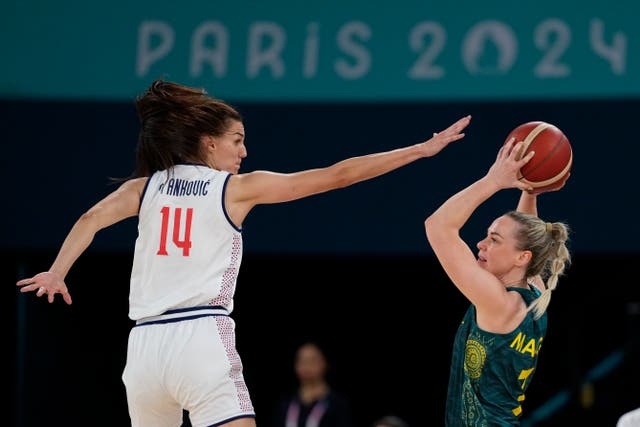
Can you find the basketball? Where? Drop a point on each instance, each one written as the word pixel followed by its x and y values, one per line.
pixel 550 167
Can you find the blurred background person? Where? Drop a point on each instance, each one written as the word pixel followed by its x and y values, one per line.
pixel 314 403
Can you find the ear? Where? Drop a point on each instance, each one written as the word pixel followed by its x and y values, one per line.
pixel 523 258
pixel 209 142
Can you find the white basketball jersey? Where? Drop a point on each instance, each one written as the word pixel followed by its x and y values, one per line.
pixel 188 252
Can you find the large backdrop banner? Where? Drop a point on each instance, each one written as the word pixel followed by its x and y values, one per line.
pixel 330 50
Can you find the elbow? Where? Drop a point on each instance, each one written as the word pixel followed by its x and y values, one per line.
pixel 89 216
pixel 343 177
pixel 91 220
pixel 428 224
pixel 86 219
pixel 434 228
pixel 343 182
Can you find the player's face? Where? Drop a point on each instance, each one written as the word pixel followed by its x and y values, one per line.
pixel 229 148
pixel 497 251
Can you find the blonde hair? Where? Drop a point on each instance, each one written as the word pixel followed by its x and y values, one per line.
pixel 550 255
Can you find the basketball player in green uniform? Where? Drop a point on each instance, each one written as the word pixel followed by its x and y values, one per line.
pixel 508 283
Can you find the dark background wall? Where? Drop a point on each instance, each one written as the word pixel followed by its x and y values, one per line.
pixel 61 154
pixel 351 267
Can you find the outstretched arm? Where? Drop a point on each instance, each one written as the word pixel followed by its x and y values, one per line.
pixel 122 203
pixel 262 187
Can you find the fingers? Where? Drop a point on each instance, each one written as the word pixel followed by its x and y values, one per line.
pixel 461 124
pixel 514 150
pixel 510 145
pixel 67 297
pixel 24 282
pixel 28 285
pixel 51 294
pixel 444 137
pixel 465 120
pixel 506 149
pixel 456 127
pixel 528 157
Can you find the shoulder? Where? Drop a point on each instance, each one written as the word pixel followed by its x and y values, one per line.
pixel 137 182
pixel 537 282
pixel 136 185
pixel 528 294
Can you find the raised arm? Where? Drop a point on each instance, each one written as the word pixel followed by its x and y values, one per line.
pixel 528 203
pixel 262 187
pixel 122 203
pixel 443 229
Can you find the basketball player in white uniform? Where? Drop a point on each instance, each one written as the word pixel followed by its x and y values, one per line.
pixel 191 203
pixel 185 267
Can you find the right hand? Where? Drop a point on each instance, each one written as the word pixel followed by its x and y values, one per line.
pixel 504 171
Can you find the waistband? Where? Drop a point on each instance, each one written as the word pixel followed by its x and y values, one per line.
pixel 180 314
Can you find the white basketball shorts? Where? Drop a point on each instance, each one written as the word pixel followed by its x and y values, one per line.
pixel 185 359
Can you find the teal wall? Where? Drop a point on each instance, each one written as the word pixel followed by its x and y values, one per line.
pixel 254 51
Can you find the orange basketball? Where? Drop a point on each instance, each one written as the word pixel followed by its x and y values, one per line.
pixel 550 166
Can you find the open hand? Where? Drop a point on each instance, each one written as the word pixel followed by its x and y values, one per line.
pixel 48 283
pixel 505 170
pixel 439 140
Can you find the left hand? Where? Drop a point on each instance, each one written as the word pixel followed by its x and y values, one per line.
pixel 551 189
pixel 48 283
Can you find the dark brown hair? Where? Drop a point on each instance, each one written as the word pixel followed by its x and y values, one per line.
pixel 173 119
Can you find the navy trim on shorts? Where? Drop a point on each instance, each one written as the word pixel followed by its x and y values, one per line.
pixel 228 420
pixel 180 314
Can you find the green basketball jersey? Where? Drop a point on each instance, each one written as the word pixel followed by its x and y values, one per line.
pixel 491 372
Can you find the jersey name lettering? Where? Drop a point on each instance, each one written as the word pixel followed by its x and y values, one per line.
pixel 521 344
pixel 184 187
